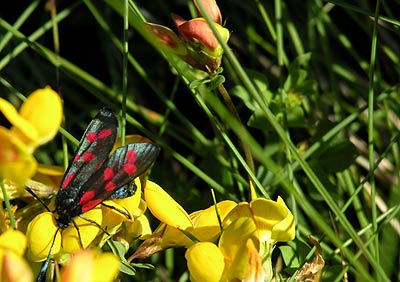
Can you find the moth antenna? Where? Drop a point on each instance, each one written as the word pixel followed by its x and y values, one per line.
pixel 30 191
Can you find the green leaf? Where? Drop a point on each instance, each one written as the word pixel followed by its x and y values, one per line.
pixel 338 156
pixel 127 269
pixel 261 84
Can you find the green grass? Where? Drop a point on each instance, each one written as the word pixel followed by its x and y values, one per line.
pixel 316 86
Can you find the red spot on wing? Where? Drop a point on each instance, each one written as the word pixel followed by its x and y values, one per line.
pixel 91 137
pixel 67 180
pixel 129 169
pixel 130 159
pixel 76 158
pixel 104 133
pixel 90 205
pixel 88 156
pixel 86 197
pixel 131 156
pixel 110 186
pixel 108 174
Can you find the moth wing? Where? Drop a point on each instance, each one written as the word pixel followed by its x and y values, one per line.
pixel 93 149
pixel 120 169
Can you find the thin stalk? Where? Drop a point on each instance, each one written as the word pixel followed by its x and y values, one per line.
pixel 124 71
pixel 371 101
pixel 232 109
pixel 7 204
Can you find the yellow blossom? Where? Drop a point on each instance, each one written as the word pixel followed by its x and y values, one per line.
pixel 43 232
pixel 205 227
pixel 13 268
pixel 38 119
pixel 246 242
pixel 205 262
pixel 36 123
pixel 165 208
pixel 88 266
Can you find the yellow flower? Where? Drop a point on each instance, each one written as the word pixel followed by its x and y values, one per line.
pixel 246 243
pixel 16 162
pixel 89 266
pixel 36 123
pixel 274 221
pixel 205 262
pixel 205 228
pixel 165 208
pixel 13 267
pixel 38 119
pixel 43 232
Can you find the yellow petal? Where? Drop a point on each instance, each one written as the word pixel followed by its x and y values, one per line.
pixel 14 268
pixel 256 271
pixel 13 240
pixel 273 216
pixel 43 110
pixel 41 232
pixel 16 163
pixel 285 229
pixel 205 262
pixel 206 226
pixel 79 268
pixel 87 231
pixel 241 210
pixel 138 229
pixel 164 207
pixel 233 246
pixel 106 267
pixel 9 111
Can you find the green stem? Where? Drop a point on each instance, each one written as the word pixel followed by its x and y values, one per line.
pixel 7 204
pixel 371 101
pixel 124 73
pixel 232 109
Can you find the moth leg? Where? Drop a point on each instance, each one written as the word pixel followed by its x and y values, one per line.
pixel 43 270
pixel 79 233
pixel 92 222
pixel 124 213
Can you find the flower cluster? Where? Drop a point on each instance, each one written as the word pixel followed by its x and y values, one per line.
pixel 245 233
pixel 35 124
pixel 197 44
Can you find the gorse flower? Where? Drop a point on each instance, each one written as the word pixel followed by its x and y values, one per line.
pixel 36 123
pixel 13 267
pixel 245 239
pixel 44 235
pixel 91 266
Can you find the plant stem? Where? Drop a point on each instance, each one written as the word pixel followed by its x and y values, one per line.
pixel 7 204
pixel 232 109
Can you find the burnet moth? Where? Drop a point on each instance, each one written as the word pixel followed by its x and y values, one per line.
pixel 94 175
